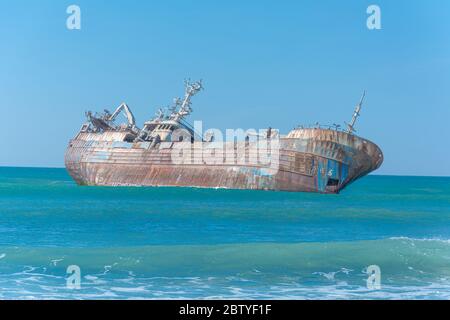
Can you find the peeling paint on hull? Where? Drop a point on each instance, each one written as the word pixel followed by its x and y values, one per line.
pixel 310 160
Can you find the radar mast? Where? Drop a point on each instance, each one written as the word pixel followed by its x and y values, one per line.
pixel 351 125
pixel 192 88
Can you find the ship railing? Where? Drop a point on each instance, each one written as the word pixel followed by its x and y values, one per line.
pixel 334 127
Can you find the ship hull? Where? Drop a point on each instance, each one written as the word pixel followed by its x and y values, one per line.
pixel 309 160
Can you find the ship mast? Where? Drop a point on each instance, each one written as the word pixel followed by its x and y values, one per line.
pixel 351 125
pixel 192 88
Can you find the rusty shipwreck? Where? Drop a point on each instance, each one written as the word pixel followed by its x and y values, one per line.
pixel 168 151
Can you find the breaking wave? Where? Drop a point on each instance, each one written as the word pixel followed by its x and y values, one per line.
pixel 411 268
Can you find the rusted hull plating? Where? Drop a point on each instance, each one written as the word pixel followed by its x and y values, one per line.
pixel 310 160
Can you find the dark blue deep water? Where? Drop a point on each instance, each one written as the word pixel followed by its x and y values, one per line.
pixel 153 243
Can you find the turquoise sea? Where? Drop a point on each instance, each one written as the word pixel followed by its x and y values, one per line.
pixel 173 243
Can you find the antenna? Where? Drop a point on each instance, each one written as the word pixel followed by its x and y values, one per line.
pixel 192 88
pixel 351 125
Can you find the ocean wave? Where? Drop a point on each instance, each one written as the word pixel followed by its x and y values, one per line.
pixel 256 259
pixel 421 239
pixel 411 268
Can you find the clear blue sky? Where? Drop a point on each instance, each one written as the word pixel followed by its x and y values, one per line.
pixel 264 63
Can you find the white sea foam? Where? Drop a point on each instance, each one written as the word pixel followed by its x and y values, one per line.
pixel 327 275
pixel 331 275
pixel 130 289
pixel 447 241
pixel 55 262
pixel 170 288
